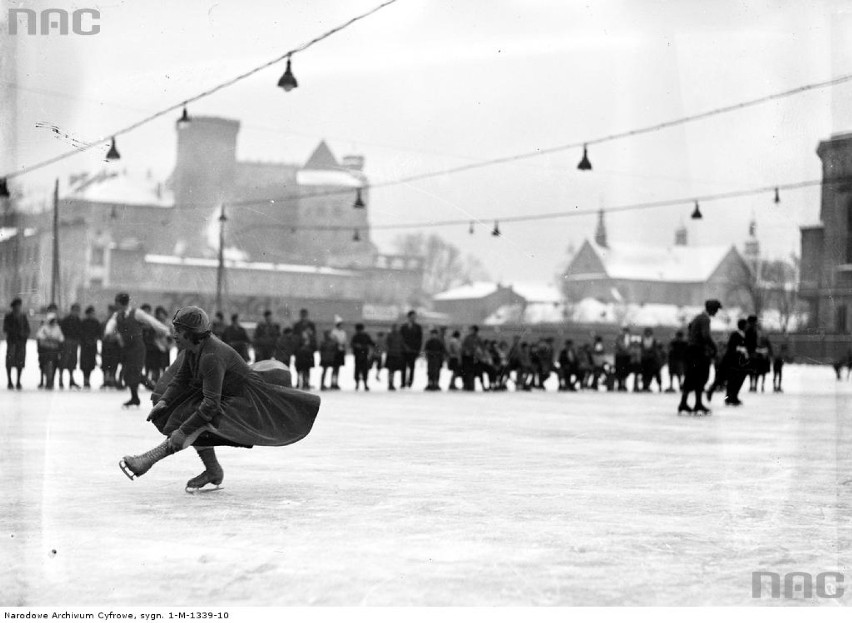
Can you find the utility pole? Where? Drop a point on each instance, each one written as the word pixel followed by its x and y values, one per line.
pixel 220 271
pixel 54 282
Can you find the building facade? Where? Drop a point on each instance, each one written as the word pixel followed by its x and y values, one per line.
pixel 292 235
pixel 825 282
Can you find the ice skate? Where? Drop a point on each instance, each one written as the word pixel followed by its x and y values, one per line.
pixel 133 402
pixel 701 410
pixel 135 466
pixel 684 408
pixel 213 473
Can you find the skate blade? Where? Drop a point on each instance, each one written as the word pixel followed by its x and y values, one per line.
pixel 126 469
pixel 204 489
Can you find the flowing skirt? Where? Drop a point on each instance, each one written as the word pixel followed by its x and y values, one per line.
pixel 266 412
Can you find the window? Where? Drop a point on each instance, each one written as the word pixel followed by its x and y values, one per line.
pixel 97 256
pixel 840 319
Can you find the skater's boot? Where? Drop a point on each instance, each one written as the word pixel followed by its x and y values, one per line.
pixel 134 399
pixel 700 409
pixel 683 408
pixel 212 474
pixel 135 466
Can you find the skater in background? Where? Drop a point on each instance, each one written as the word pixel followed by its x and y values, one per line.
pixel 735 364
pixel 762 360
pixel 305 359
pixel 394 356
pixel 435 352
pixel 454 359
pixel 778 368
pixel 72 331
pixel 305 324
pixel 378 357
pixel 338 334
pixel 110 356
pixel 699 354
pixel 471 344
pixel 752 334
pixel 128 322
pixel 212 397
pixel 91 332
pixel 265 336
pixel 286 346
pixel 651 362
pixel 328 357
pixel 622 358
pixel 676 361
pixel 362 353
pixel 49 337
pixel 412 339
pixel 568 367
pixel 237 337
pixel 16 327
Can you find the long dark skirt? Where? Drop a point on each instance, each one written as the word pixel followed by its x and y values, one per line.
pixel 268 411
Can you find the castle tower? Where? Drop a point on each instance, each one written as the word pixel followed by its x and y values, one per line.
pixel 751 251
pixel 204 176
pixel 681 236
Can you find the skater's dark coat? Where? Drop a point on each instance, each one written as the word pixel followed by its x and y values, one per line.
pixel 243 405
pixel 91 331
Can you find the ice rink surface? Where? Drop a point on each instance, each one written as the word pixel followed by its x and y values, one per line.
pixel 428 499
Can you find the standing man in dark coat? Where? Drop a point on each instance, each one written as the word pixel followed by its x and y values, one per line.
pixel 72 329
pixel 471 347
pixel 306 324
pixel 128 322
pixel 735 364
pixel 699 354
pixel 362 351
pixel 91 331
pixel 622 358
pixel 17 330
pixel 412 339
pixel 265 336
pixel 751 337
pixel 435 351
pixel 677 361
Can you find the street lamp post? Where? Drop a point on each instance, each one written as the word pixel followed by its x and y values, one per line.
pixel 220 271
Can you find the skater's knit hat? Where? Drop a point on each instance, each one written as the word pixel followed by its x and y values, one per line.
pixel 192 318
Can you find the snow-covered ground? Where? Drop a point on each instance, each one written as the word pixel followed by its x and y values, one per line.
pixel 417 498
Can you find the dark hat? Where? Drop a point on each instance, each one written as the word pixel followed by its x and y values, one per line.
pixel 16 301
pixel 192 318
pixel 713 304
pixel 90 309
pixel 122 298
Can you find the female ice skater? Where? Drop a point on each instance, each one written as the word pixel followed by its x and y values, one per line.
pixel 211 397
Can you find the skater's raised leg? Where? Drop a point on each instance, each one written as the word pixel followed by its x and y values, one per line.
pixel 135 466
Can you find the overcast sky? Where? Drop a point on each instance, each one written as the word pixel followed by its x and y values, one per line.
pixel 424 85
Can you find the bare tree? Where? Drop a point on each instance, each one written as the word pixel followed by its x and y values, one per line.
pixel 769 284
pixel 444 266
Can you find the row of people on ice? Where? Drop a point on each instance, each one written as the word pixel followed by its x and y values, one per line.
pixel 492 364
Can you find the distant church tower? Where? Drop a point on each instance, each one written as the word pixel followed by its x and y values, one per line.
pixel 680 236
pixel 600 232
pixel 751 252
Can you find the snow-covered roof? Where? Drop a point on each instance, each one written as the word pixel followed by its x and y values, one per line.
pixel 681 264
pixel 121 188
pixel 174 260
pixel 538 292
pixel 475 290
pixel 317 177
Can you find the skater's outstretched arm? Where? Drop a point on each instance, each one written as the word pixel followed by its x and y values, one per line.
pixel 152 322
